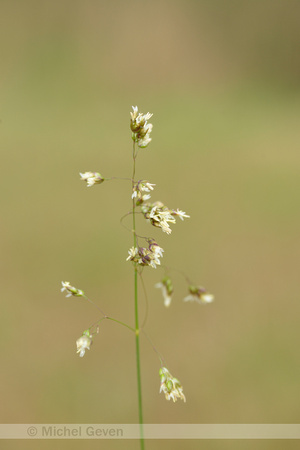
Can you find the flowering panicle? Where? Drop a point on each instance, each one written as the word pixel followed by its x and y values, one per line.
pixel 146 256
pixel 161 216
pixel 71 290
pixel 140 128
pixel 170 386
pixel 166 287
pixel 92 178
pixel 199 295
pixel 84 342
pixel 139 188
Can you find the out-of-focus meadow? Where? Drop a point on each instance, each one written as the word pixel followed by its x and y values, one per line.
pixel 222 79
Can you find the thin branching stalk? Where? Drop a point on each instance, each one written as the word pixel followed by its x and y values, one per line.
pixel 137 331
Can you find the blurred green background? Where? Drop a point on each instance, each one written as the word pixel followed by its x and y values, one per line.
pixel 222 79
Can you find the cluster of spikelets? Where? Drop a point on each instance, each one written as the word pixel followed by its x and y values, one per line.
pixel 146 256
pixel 161 216
pixel 138 191
pixel 140 128
pixel 92 178
pixel 170 386
pixel 84 342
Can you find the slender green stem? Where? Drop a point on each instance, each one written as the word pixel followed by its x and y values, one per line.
pixel 147 303
pixel 137 331
pixel 138 365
